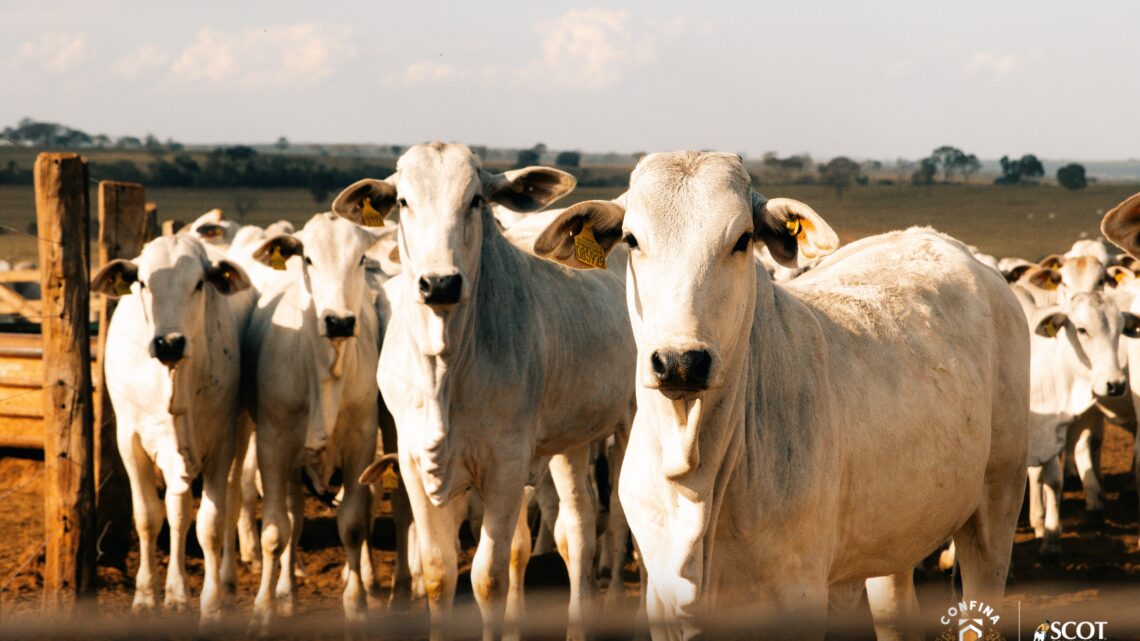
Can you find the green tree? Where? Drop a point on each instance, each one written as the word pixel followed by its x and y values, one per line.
pixel 1072 176
pixel 949 159
pixel 924 175
pixel 568 159
pixel 282 144
pixel 839 172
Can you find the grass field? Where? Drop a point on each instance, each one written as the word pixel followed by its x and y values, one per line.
pixel 1002 220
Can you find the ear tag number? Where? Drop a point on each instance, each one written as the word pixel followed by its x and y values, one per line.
pixel 587 250
pixel 276 260
pixel 389 479
pixel 372 218
pixel 122 287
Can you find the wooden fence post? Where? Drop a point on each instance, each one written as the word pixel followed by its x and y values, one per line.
pixel 69 487
pixel 123 230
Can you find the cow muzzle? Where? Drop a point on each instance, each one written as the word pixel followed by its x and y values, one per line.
pixel 680 374
pixel 340 326
pixel 437 289
pixel 1116 388
pixel 169 349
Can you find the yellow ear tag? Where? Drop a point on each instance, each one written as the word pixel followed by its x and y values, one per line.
pixel 213 232
pixel 122 287
pixel 276 260
pixel 1050 285
pixel 389 479
pixel 1119 277
pixel 517 187
pixel 1051 330
pixel 587 250
pixel 795 227
pixel 372 218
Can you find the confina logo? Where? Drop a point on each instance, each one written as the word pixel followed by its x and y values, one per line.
pixel 970 621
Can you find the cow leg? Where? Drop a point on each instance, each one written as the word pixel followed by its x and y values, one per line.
pixel 178 516
pixel 235 502
pixel 894 606
pixel 520 556
pixel 1052 480
pixel 490 569
pixel 353 519
pixel 415 563
pixel 1036 500
pixel 148 516
pixel 287 580
pixel 1086 455
pixel 276 469
pixel 575 532
pixel 617 527
pixel 212 529
pixel 984 543
pixel 436 546
pixel 1136 466
pixel 248 538
pixel 547 498
pixel 401 588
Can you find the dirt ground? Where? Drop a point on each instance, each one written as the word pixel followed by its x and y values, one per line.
pixel 1097 560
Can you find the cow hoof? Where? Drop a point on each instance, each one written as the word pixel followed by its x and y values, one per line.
pixel 946 560
pixel 1051 550
pixel 176 604
pixel 143 604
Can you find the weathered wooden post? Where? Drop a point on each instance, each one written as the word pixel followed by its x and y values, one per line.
pixel 123 230
pixel 69 485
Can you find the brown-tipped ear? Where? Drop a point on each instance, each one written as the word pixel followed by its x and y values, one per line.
pixel 227 277
pixel 115 278
pixel 560 240
pixel 1121 225
pixel 790 228
pixel 1045 278
pixel 275 251
pixel 1117 275
pixel 366 202
pixel 1015 274
pixel 1052 261
pixel 528 189
pixel 1050 322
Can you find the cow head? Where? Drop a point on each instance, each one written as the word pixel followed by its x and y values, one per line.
pixel 690 220
pixel 329 253
pixel 171 278
pixel 1093 325
pixel 441 195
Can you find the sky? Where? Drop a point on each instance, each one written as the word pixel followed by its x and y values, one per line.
pixel 872 79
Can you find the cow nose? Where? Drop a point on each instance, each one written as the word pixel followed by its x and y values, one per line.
pixel 169 349
pixel 441 290
pixel 682 370
pixel 1117 388
pixel 340 326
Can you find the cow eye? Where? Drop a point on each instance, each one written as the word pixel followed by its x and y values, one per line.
pixel 198 287
pixel 742 244
pixel 477 201
pixel 1082 331
pixel 362 259
pixel 308 261
pixel 630 241
pixel 402 202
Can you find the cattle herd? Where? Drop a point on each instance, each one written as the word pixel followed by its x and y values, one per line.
pixel 437 339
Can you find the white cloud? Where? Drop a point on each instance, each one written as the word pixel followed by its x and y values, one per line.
pixel 273 56
pixel 997 64
pixel 56 52
pixel 583 50
pixel 146 58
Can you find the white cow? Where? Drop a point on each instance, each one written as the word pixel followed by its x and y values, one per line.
pixel 790 441
pixel 314 338
pixel 493 364
pixel 173 374
pixel 1121 225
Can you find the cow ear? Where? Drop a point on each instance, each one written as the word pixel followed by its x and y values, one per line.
pixel 528 189
pixel 582 235
pixel 1050 322
pixel 1052 261
pixel 210 231
pixel 275 251
pixel 791 229
pixel 115 278
pixel 1047 278
pixel 366 202
pixel 227 277
pixel 1131 327
pixel 1116 276
pixel 385 470
pixel 1015 274
pixel 1122 225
